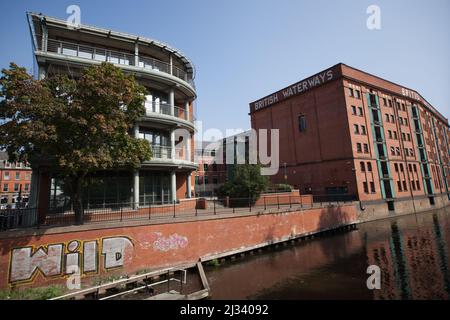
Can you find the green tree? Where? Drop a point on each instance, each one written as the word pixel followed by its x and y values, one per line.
pixel 246 182
pixel 73 126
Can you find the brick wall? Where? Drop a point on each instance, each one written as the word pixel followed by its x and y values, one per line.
pixel 41 258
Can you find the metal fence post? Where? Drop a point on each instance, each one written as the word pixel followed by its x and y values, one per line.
pixel 149 211
pixel 214 204
pixel 290 203
pixel 121 213
pixel 278 202
pixel 196 206
pixel 249 204
pixel 264 203
pixel 37 218
pixel 174 211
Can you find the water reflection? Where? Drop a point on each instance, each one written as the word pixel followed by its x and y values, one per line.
pixel 412 253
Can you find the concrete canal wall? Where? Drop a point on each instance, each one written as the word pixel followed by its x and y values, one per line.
pixel 48 256
pixel 375 210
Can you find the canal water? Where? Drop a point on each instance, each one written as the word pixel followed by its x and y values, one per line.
pixel 412 253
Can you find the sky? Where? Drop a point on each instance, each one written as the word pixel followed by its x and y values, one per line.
pixel 246 49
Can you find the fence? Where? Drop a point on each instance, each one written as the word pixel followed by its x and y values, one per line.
pixel 197 207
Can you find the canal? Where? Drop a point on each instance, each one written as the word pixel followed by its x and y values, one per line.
pixel 412 253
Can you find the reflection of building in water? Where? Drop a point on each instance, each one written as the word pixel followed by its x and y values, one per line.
pixel 413 261
pixel 379 254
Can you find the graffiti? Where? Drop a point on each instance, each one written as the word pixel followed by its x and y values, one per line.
pixel 62 259
pixel 172 242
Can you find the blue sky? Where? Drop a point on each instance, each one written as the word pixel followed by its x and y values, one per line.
pixel 246 49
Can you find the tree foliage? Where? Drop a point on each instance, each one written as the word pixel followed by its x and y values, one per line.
pixel 73 126
pixel 246 182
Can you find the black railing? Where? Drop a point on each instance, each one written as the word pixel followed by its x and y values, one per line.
pixel 18 218
pixel 163 211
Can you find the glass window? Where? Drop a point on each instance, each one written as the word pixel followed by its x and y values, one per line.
pixel 369 166
pixel 360 111
pixel 363 166
pixel 16 187
pixel 5 187
pixel 365 187
pixel 372 187
pixel 6 175
pixel 302 123
pixel 356 128
pixel 358 147
pixel 363 130
pixel 353 110
pixel 17 175
pixel 350 92
pixel 366 148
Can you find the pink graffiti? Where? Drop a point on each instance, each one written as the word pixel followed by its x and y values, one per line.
pixel 172 242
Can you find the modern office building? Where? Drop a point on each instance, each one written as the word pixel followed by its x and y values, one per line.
pixel 217 161
pixel 168 76
pixel 15 179
pixel 344 131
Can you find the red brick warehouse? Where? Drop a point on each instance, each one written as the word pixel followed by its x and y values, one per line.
pixel 344 131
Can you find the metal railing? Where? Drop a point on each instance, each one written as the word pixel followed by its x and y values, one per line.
pixel 152 107
pixel 117 57
pixel 165 212
pixel 165 152
pixel 18 218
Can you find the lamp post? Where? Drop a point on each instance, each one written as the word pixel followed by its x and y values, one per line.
pixel 285 175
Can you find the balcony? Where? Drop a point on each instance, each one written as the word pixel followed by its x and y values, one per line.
pixel 116 57
pixel 163 156
pixel 162 112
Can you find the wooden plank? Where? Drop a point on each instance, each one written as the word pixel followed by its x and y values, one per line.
pixel 198 295
pixel 171 295
pixel 202 275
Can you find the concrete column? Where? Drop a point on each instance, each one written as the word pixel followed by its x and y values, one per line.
pixel 188 182
pixel 172 101
pixel 173 186
pixel 41 72
pixel 171 64
pixel 172 144
pixel 34 189
pixel 44 39
pixel 136 54
pixel 188 149
pixel 186 108
pixel 136 188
